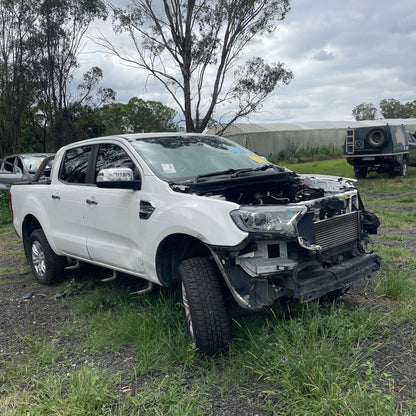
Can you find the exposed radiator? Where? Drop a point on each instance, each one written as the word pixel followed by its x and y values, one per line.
pixel 338 230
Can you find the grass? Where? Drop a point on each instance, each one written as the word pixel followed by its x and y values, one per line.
pixel 291 359
pixel 313 358
pixel 336 167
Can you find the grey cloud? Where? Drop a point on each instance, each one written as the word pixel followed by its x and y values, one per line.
pixel 341 53
pixel 323 55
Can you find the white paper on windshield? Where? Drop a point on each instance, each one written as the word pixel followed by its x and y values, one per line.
pixel 168 168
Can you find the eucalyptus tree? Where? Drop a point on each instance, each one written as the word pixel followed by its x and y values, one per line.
pixel 392 108
pixel 58 39
pixel 137 116
pixel 365 111
pixel 196 48
pixel 16 83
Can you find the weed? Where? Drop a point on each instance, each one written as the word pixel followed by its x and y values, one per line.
pixel 397 237
pixel 398 285
pixel 85 392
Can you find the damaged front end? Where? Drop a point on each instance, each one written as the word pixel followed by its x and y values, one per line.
pixel 306 239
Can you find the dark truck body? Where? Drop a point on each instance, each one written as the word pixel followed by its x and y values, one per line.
pixel 381 149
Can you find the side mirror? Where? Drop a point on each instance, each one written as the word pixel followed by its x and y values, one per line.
pixel 118 178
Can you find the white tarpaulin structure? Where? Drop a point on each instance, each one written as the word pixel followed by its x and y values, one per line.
pixel 270 138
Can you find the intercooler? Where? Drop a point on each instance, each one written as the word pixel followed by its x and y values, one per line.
pixel 338 230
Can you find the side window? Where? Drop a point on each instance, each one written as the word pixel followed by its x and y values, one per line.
pixel 75 164
pixel 9 164
pixel 113 156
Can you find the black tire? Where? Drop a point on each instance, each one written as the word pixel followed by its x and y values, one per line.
pixel 361 173
pixel 47 267
pixel 377 139
pixel 404 168
pixel 204 305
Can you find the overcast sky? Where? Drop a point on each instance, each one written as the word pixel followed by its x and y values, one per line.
pixel 342 53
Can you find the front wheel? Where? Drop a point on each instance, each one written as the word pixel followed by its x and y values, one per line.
pixel 204 305
pixel 47 267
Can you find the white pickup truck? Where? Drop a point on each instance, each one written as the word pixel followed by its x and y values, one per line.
pixel 200 212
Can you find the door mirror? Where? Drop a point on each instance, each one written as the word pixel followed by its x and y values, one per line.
pixel 117 178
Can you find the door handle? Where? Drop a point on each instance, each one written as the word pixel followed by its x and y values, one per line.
pixel 91 201
pixel 54 196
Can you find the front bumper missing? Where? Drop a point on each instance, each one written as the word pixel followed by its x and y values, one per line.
pixel 306 282
pixel 337 277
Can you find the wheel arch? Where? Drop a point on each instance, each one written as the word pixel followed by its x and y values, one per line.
pixel 30 223
pixel 172 250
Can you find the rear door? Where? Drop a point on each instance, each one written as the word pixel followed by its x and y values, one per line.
pixel 66 202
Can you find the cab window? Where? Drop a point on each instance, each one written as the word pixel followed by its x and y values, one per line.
pixel 113 156
pixel 75 164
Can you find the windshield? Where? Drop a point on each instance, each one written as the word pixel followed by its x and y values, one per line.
pixel 32 162
pixel 185 157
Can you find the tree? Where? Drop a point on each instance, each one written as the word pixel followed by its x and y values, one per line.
pixel 392 108
pixel 195 49
pixel 147 116
pixel 62 25
pixel 137 116
pixel 410 108
pixel 389 108
pixel 16 84
pixel 39 44
pixel 364 111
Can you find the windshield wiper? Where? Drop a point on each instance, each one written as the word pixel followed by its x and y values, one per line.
pixel 235 172
pixel 218 173
pixel 262 167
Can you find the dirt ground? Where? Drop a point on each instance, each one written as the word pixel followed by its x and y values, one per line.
pixel 29 308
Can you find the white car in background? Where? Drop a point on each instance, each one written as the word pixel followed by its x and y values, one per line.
pixel 20 167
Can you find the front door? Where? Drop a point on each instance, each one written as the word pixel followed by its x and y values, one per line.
pixel 112 216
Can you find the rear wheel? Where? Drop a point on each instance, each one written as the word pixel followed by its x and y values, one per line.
pixel 204 305
pixel 360 173
pixel 47 267
pixel 404 168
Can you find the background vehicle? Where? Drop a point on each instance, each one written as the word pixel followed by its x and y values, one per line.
pixel 20 167
pixel 382 149
pixel 199 212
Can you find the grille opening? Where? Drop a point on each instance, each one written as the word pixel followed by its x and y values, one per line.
pixel 273 251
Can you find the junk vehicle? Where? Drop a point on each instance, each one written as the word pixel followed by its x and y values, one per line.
pixel 20 167
pixel 382 149
pixel 200 212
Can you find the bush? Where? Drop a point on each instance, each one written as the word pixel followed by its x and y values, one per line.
pixel 5 213
pixel 294 153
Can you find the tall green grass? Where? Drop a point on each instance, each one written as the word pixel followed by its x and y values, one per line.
pixel 335 167
pixel 5 213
